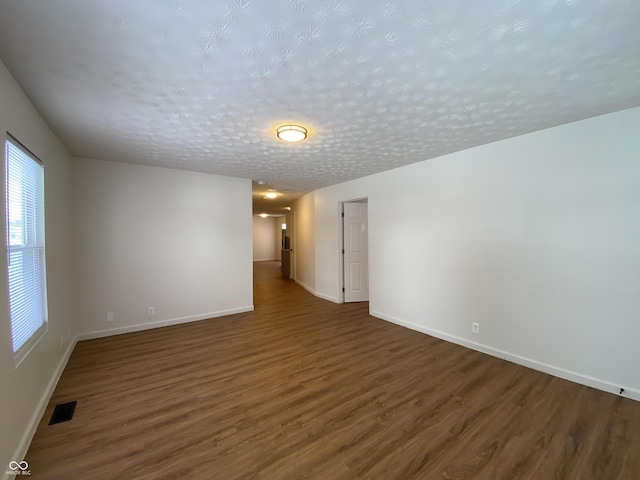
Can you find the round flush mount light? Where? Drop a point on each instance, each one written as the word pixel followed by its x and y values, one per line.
pixel 271 195
pixel 291 133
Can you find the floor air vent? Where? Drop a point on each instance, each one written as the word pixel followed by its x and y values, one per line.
pixel 63 412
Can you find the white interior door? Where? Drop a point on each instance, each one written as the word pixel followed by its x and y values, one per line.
pixel 356 252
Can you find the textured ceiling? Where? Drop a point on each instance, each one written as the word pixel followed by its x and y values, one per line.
pixel 202 85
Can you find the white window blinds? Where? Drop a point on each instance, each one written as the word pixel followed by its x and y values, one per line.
pixel 24 187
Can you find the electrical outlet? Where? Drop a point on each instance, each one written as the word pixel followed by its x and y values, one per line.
pixel 475 328
pixel 152 311
pixel 110 317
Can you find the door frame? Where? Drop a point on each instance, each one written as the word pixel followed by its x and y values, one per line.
pixel 341 275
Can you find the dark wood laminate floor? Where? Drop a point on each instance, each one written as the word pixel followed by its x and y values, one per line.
pixel 304 388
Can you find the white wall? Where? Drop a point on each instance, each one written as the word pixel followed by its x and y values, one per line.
pixel 279 222
pixel 304 215
pixel 265 237
pixel 26 389
pixel 537 238
pixel 146 236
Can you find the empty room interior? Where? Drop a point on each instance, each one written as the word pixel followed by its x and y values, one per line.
pixel 320 239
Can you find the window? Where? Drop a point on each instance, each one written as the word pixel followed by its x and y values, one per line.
pixel 24 194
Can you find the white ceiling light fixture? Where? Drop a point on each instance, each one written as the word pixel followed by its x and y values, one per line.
pixel 291 133
pixel 271 195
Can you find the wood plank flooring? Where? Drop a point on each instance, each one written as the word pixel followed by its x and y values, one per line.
pixel 304 388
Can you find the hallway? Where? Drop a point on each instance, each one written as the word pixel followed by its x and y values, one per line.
pixel 304 388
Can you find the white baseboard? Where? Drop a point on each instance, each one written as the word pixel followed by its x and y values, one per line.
pixel 32 426
pixel 161 323
pixel 327 297
pixel 587 380
pixel 316 294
